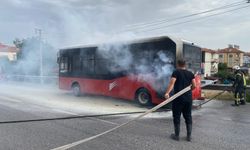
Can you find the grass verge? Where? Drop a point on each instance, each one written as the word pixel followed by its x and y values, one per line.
pixel 225 96
pixel 211 93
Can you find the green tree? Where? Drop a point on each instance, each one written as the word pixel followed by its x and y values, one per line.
pixel 223 72
pixel 222 66
pixel 19 44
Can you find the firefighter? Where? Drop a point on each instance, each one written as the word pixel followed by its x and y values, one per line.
pixel 243 100
pixel 239 87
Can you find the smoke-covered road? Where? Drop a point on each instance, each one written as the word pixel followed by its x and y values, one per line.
pixel 216 126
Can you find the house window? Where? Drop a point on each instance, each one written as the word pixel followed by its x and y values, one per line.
pixel 221 58
pixel 230 60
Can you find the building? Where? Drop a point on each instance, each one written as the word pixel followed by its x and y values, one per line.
pixel 231 55
pixel 210 61
pixel 8 51
pixel 246 59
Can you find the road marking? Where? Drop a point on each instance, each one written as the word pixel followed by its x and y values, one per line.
pixel 227 119
pixel 75 114
pixel 98 119
pixel 9 99
pixel 66 112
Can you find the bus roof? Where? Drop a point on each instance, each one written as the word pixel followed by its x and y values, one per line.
pixel 134 41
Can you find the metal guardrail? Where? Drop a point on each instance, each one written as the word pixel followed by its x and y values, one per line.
pixel 31 78
pixel 220 87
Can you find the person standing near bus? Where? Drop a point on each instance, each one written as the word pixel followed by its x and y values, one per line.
pixel 180 79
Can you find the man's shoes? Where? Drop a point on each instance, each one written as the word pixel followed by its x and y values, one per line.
pixel 242 102
pixel 174 137
pixel 189 138
pixel 189 131
pixel 235 105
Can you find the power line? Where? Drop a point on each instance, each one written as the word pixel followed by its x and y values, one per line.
pixel 186 16
pixel 183 22
pixel 163 21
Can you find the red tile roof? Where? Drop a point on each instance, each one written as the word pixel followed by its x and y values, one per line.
pixel 208 50
pixel 247 54
pixel 6 48
pixel 230 50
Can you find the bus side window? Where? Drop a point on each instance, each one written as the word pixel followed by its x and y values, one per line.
pixel 88 66
pixel 87 62
pixel 58 58
pixel 101 67
pixel 76 63
pixel 63 65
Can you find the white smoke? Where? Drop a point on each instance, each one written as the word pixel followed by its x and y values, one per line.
pixel 166 68
pixel 154 64
pixel 28 65
pixel 118 55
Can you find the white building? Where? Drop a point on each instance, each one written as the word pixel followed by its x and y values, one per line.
pixel 246 59
pixel 210 61
pixel 231 56
pixel 8 51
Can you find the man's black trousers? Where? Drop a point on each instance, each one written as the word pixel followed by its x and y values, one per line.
pixel 239 91
pixel 182 106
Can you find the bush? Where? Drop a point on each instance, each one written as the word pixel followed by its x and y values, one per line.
pixel 248 91
pixel 223 74
pixel 248 81
pixel 247 96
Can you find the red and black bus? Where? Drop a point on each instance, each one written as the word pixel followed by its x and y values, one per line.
pixel 133 70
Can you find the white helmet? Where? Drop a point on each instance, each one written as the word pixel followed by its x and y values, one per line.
pixel 236 67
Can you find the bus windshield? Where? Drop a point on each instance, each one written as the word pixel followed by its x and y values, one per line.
pixel 192 55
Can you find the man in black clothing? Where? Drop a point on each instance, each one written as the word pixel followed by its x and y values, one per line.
pixel 181 78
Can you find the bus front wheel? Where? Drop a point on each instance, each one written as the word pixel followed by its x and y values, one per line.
pixel 143 97
pixel 76 89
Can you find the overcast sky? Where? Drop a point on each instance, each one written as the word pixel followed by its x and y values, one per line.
pixel 78 22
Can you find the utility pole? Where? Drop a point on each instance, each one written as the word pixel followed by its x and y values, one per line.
pixel 39 32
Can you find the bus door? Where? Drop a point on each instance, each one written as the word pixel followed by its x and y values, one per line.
pixel 103 79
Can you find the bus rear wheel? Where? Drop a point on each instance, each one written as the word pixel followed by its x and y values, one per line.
pixel 76 89
pixel 143 97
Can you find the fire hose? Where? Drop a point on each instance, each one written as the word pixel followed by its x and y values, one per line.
pixel 64 147
pixel 220 93
pixel 212 98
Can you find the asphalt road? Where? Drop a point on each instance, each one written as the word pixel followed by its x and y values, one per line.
pixel 217 125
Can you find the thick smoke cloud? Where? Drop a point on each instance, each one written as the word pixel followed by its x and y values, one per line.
pixel 28 64
pixel 154 66
pixel 119 56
